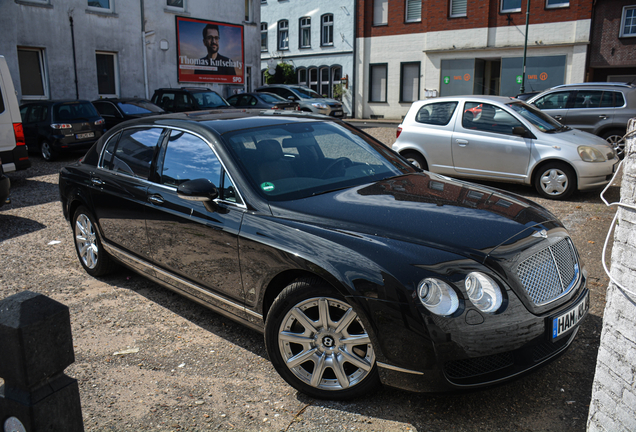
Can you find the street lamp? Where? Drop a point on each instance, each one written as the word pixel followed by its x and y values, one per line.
pixel 525 49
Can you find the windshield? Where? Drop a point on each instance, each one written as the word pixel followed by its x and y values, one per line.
pixel 306 93
pixel 209 99
pixel 298 160
pixel 272 98
pixel 539 119
pixel 139 107
pixel 75 111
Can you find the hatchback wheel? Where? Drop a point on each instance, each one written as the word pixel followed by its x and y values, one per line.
pixel 89 248
pixel 46 151
pixel 318 344
pixel 416 159
pixel 616 140
pixel 555 181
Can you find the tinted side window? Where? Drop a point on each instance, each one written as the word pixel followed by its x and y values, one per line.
pixel 35 114
pixel 23 113
pixel 556 100
pixel 166 101
pixel 188 157
pixel 1 102
pixel 619 99
pixel 106 108
pixel 587 99
pixel 488 118
pixel 135 150
pixel 109 152
pixel 438 113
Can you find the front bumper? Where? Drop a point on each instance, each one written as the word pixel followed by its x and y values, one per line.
pixel 595 175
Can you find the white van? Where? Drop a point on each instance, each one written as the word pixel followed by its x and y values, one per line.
pixel 13 151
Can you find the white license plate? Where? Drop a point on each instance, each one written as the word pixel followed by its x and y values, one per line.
pixel 85 135
pixel 568 320
pixel 338 113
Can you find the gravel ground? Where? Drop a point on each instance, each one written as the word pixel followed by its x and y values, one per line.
pixel 148 359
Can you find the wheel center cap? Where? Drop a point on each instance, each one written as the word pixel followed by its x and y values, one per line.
pixel 328 341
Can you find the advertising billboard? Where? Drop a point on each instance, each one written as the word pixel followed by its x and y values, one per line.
pixel 209 51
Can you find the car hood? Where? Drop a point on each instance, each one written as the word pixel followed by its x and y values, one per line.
pixel 427 209
pixel 578 137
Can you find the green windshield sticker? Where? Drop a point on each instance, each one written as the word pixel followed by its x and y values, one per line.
pixel 267 186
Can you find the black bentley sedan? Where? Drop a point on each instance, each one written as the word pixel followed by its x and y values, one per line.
pixel 359 268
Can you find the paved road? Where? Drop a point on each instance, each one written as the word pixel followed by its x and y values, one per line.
pixel 191 369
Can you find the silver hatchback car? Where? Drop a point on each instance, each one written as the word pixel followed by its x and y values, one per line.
pixel 503 139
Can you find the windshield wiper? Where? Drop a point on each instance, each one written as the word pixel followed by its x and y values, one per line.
pixel 331 190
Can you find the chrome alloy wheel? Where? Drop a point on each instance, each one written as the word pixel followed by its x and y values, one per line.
pixel 618 144
pixel 324 344
pixel 554 181
pixel 86 241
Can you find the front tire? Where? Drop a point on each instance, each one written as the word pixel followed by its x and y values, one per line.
pixel 416 159
pixel 555 180
pixel 46 151
pixel 88 246
pixel 318 344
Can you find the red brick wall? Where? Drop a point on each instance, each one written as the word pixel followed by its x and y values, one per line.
pixel 606 48
pixel 480 13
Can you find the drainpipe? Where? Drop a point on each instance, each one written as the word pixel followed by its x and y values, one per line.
pixel 70 18
pixel 143 47
pixel 355 60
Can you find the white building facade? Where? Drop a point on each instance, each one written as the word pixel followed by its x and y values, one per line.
pixel 317 39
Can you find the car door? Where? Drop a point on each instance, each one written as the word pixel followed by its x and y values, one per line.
pixel 591 110
pixel 109 113
pixel 483 144
pixel 119 188
pixel 191 239
pixel 555 104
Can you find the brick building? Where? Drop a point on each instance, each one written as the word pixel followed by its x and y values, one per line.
pixel 613 41
pixel 408 47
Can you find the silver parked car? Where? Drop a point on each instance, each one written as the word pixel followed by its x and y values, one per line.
pixel 602 109
pixel 503 139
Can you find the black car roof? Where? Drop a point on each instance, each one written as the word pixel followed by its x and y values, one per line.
pixel 56 102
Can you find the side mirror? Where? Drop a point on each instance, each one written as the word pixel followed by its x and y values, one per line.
pixel 522 132
pixel 198 190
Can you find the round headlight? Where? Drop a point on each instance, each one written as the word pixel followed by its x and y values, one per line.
pixel 438 297
pixel 483 292
pixel 590 154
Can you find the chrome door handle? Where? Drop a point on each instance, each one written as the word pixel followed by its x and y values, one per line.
pixel 462 142
pixel 603 116
pixel 97 182
pixel 156 199
pixel 558 117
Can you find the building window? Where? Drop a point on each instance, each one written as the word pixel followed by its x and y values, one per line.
pixel 305 32
pixel 33 82
pixel 628 22
pixel 283 35
pixel 510 6
pixel 414 10
pixel 302 77
pixel 409 82
pixel 458 8
pixel 313 79
pixel 263 36
pixel 248 10
pixel 557 3
pixel 377 82
pixel 327 29
pixel 380 12
pixel 103 5
pixel 179 4
pixel 336 77
pixel 107 74
pixel 325 85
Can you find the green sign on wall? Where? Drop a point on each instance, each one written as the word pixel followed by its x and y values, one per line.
pixel 446 79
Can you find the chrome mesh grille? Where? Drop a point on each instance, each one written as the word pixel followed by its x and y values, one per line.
pixel 550 272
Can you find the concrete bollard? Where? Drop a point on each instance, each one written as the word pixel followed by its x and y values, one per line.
pixel 36 346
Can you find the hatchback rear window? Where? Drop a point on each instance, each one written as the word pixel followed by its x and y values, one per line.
pixel 438 113
pixel 75 111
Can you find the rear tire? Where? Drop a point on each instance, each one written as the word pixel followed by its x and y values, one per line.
pixel 47 152
pixel 88 246
pixel 555 180
pixel 616 140
pixel 416 159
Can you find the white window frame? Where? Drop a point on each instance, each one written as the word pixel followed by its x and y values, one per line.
pixel 413 5
pixel 115 73
pixel 326 30
pixel 109 9
pixel 264 31
pixel 280 31
pixel 458 14
pixel 304 24
pixel 176 8
pixel 43 75
pixel 380 12
pixel 502 10
pixel 623 16
pixel 383 88
pixel 560 4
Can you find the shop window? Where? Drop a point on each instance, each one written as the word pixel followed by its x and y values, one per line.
pixel 508 6
pixel 305 32
pixel 283 35
pixel 327 29
pixel 458 8
pixel 313 79
pixel 377 82
pixel 413 10
pixel 557 3
pixel 302 77
pixel 628 22
pixel 107 74
pixel 33 82
pixel 263 36
pixel 380 12
pixel 409 82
